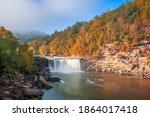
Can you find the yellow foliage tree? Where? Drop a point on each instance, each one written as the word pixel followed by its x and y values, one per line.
pixel 43 50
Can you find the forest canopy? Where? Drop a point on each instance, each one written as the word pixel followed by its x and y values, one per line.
pixel 124 27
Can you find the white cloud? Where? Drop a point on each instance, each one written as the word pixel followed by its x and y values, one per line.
pixel 32 14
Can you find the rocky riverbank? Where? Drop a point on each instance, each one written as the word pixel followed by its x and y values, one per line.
pixel 133 63
pixel 27 86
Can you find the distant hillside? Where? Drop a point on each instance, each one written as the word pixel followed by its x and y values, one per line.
pixel 123 27
pixel 29 35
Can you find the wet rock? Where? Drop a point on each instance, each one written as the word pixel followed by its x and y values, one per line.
pixel 42 79
pixel 45 83
pixel 85 63
pixel 54 79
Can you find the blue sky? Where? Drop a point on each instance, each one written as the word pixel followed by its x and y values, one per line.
pixel 50 15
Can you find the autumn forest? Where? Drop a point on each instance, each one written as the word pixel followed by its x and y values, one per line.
pixel 124 27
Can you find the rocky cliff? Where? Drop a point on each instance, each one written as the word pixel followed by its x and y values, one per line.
pixel 132 63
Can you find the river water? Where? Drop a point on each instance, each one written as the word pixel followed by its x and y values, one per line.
pixel 97 86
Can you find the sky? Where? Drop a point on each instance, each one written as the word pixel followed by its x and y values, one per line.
pixel 50 15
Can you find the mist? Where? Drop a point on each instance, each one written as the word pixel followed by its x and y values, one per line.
pixel 44 15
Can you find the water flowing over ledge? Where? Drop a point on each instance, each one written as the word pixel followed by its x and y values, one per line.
pixel 64 65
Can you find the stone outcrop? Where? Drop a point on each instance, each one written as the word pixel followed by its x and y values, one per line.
pixel 27 86
pixel 54 79
pixel 131 63
pixel 85 63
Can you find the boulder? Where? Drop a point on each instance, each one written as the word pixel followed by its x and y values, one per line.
pixel 33 93
pixel 28 85
pixel 7 93
pixel 18 84
pixel 44 82
pixel 54 79
pixel 42 79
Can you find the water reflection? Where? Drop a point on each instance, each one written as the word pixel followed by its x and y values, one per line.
pixel 93 86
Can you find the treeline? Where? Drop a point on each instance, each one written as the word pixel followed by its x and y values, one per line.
pixel 124 27
pixel 14 57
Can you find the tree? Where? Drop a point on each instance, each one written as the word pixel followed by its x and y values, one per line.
pixel 43 50
pixel 14 56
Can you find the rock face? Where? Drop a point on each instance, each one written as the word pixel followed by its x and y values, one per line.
pixel 44 82
pixel 33 94
pixel 28 86
pixel 85 63
pixel 54 79
pixel 132 63
pixel 44 72
pixel 121 68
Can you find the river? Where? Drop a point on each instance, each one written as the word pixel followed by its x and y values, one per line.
pixel 80 85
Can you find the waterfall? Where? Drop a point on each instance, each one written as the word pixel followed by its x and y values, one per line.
pixel 64 65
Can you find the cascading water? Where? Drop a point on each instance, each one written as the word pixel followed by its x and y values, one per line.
pixel 64 65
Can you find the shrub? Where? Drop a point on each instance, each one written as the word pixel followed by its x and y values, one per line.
pixel 13 55
pixel 2 82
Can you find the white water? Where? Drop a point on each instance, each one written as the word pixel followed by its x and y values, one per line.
pixel 64 65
